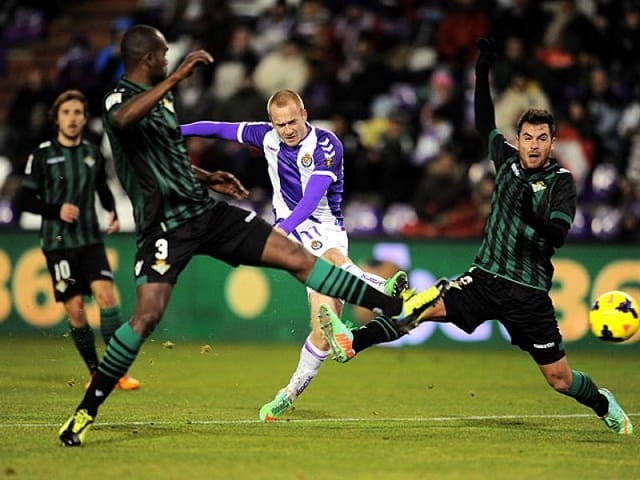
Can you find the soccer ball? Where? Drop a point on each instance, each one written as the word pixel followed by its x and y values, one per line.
pixel 614 316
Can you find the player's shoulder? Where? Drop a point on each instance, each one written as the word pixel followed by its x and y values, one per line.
pixel 326 136
pixel 119 94
pixel 90 146
pixel 42 149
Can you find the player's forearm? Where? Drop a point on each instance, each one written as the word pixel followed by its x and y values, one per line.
pixel 107 200
pixel 554 231
pixel 223 130
pixel 316 188
pixel 28 201
pixel 485 117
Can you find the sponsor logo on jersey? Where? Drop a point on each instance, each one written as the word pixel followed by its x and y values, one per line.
pixel 307 160
pixel 52 160
pixel 161 266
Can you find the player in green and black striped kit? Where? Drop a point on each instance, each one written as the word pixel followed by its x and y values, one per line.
pixel 177 219
pixel 532 208
pixel 62 177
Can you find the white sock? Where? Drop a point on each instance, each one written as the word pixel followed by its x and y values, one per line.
pixel 372 279
pixel 311 358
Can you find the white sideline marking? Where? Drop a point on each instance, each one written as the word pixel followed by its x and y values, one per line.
pixel 319 420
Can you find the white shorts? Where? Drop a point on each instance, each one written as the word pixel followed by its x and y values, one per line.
pixel 320 237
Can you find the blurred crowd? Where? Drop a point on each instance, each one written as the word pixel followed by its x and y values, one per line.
pixel 394 80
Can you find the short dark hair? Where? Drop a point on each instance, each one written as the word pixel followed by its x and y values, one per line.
pixel 65 97
pixel 537 116
pixel 136 42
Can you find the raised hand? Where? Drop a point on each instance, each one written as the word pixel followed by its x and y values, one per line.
pixel 191 61
pixel 488 53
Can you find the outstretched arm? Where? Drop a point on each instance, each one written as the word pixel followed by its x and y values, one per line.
pixel 224 130
pixel 483 105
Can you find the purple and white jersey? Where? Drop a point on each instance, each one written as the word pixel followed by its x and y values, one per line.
pixel 290 169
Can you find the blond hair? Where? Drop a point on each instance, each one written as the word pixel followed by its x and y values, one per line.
pixel 281 97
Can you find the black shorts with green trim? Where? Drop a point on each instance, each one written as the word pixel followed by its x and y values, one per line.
pixel 526 313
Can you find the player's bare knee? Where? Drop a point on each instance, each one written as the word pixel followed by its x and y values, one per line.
pixel 334 256
pixel 145 323
pixel 559 384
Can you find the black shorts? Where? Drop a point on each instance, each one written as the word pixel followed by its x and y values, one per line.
pixel 527 313
pixel 73 269
pixel 226 232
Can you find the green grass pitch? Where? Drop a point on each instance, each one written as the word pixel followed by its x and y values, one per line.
pixel 410 413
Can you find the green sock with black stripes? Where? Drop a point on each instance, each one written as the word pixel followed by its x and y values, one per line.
pixel 585 391
pixel 336 282
pixel 110 321
pixel 85 343
pixel 118 357
pixel 378 330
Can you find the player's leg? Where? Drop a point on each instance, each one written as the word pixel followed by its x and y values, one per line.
pixel 158 264
pixel 81 332
pixel 532 325
pixel 110 320
pixel 122 350
pixel 582 388
pixel 421 307
pixel 69 287
pixel 313 353
pixel 283 253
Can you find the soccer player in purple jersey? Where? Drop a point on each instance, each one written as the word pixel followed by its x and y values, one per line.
pixel 305 167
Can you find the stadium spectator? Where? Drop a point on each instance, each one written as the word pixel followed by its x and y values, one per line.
pixel 27 123
pixel 177 219
pixel 521 94
pixel 522 19
pixel 285 68
pixel 441 191
pixel 463 23
pixel 512 273
pixel 361 78
pixel 75 70
pixel 273 28
pixel 237 62
pixel 61 180
pixel 603 107
pixel 109 66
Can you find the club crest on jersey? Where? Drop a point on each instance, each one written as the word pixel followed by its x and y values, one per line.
pixel 161 266
pixel 538 186
pixel 61 286
pixel 307 160
pixel 316 244
pixel 168 104
pixel 89 161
